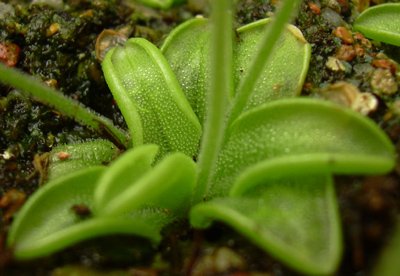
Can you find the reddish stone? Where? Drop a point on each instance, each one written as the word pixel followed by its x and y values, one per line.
pixel 315 9
pixel 9 53
pixel 346 53
pixel 385 64
pixel 344 35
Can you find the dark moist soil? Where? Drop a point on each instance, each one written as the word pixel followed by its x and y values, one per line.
pixel 66 60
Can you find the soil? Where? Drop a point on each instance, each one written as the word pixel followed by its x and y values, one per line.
pixel 369 206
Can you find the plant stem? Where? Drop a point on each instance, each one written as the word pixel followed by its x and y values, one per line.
pixel 221 86
pixel 63 104
pixel 265 50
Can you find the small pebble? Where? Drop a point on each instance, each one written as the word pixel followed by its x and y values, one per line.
pixel 335 64
pixel 106 40
pixel 348 95
pixel 344 35
pixel 346 53
pixel 9 53
pixel 53 29
pixel 383 82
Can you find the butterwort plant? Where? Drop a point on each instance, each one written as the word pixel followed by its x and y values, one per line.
pixel 217 132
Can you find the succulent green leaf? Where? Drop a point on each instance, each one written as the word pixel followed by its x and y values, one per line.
pixel 65 159
pixel 187 50
pixel 295 219
pixel 169 185
pixel 342 140
pixel 381 23
pixel 46 223
pixel 278 79
pixel 150 98
pixel 122 173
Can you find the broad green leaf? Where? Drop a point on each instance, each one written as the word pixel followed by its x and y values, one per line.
pixel 286 70
pixel 381 22
pixel 294 219
pixel 46 223
pixel 187 50
pixel 344 141
pixel 65 159
pixel 150 98
pixel 122 173
pixel 168 185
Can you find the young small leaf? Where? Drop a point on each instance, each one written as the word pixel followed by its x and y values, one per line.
pixel 47 223
pixel 381 22
pixel 122 173
pixel 150 98
pixel 344 141
pixel 295 219
pixel 169 185
pixel 65 159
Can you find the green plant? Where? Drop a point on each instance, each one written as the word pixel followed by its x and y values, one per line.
pixel 265 162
